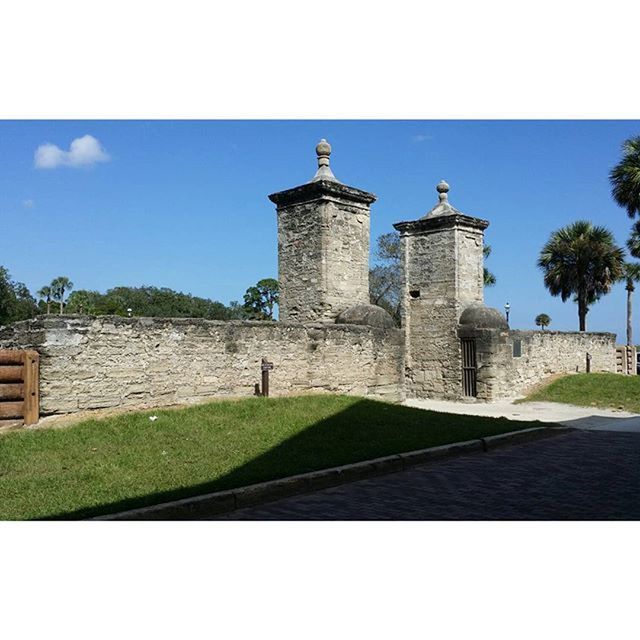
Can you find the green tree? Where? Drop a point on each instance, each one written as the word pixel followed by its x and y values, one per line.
pixel 83 302
pixel 260 300
pixel 633 243
pixel 542 320
pixel 385 278
pixel 147 301
pixel 581 260
pixel 59 286
pixel 630 275
pixel 44 293
pixel 489 278
pixel 625 177
pixel 16 303
pixel 236 311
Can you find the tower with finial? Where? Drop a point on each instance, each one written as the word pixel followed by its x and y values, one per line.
pixel 323 246
pixel 442 263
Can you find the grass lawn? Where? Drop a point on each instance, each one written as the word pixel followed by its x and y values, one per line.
pixel 127 461
pixel 606 390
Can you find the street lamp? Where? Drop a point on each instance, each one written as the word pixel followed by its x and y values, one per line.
pixel 507 308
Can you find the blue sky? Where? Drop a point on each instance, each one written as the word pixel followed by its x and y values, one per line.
pixel 183 204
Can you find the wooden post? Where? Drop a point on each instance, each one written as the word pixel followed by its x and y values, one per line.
pixel 265 367
pixel 265 380
pixel 588 363
pixel 31 364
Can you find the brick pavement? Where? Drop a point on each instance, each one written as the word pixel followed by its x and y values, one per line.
pixel 583 475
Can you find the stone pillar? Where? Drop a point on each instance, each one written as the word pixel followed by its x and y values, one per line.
pixel 323 246
pixel 442 264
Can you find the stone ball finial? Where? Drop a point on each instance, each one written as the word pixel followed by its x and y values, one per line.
pixel 323 151
pixel 443 189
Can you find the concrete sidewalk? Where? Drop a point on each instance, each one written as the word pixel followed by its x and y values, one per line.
pixel 590 418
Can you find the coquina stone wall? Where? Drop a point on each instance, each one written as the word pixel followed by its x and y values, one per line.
pixel 504 374
pixel 110 361
pixel 323 250
pixel 546 353
pixel 442 262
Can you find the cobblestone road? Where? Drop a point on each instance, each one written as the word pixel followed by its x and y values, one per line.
pixel 592 475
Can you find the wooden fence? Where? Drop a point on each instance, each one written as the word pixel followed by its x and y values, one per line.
pixel 19 387
pixel 626 360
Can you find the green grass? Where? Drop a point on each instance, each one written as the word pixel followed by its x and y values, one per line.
pixel 605 390
pixel 127 461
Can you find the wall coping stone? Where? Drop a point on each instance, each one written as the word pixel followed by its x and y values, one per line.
pixel 69 321
pixel 318 190
pixel 536 332
pixel 426 225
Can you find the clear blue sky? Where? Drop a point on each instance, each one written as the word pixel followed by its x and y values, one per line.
pixel 183 204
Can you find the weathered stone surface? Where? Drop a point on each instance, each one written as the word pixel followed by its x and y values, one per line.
pixel 137 362
pixel 442 264
pixel 323 246
pixel 366 314
pixel 501 374
pixel 545 353
pixel 481 317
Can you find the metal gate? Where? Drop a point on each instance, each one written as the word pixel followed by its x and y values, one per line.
pixel 469 367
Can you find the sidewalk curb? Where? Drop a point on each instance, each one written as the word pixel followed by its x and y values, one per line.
pixel 526 435
pixel 228 501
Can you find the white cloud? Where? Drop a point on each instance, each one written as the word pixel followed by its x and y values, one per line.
pixel 28 204
pixel 83 152
pixel 421 138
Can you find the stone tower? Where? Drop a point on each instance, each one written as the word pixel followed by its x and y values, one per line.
pixel 442 263
pixel 323 246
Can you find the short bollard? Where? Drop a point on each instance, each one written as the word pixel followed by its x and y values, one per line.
pixel 588 363
pixel 266 367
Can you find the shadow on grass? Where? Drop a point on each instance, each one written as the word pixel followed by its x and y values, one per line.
pixel 365 430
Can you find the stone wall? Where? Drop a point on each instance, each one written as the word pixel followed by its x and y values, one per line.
pixel 110 361
pixel 442 262
pixel 545 353
pixel 504 374
pixel 323 250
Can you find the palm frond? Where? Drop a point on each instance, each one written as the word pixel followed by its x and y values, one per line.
pixel 625 178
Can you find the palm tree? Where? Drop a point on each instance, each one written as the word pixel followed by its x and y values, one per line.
pixel 45 294
pixel 581 260
pixel 489 278
pixel 542 320
pixel 633 243
pixel 58 287
pixel 631 275
pixel 625 177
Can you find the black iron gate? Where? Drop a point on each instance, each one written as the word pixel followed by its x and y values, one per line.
pixel 469 367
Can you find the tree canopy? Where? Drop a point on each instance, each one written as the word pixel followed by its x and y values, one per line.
pixel 260 299
pixel 385 278
pixel 625 178
pixel 581 260
pixel 58 287
pixel 633 243
pixel 148 301
pixel 542 320
pixel 16 303
pixel 489 278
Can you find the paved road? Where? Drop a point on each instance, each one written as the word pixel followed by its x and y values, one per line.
pixel 582 475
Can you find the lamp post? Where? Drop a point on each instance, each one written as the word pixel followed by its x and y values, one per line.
pixel 507 308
